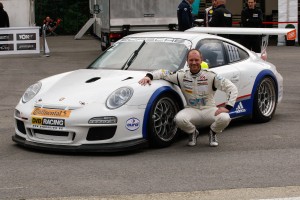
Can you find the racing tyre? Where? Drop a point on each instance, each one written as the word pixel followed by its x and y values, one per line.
pixel 265 101
pixel 162 129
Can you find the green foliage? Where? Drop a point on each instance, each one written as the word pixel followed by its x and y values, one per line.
pixel 73 13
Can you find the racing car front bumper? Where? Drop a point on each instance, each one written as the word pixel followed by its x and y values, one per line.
pixel 101 148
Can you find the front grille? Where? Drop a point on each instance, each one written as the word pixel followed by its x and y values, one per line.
pixel 101 133
pixel 21 127
pixel 50 132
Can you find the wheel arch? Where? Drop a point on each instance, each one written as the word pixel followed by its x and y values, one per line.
pixel 263 74
pixel 160 91
pixel 259 117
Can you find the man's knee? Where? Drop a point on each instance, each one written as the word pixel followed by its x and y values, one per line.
pixel 183 123
pixel 181 120
pixel 223 118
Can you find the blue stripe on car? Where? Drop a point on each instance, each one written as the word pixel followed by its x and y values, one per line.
pixel 247 104
pixel 155 95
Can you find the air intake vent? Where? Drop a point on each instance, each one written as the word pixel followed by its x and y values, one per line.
pixel 93 80
pixel 127 78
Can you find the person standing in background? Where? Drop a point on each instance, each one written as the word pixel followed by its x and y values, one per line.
pixel 184 15
pixel 252 17
pixel 221 17
pixel 208 12
pixel 4 20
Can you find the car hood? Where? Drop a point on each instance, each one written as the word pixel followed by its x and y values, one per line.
pixel 86 86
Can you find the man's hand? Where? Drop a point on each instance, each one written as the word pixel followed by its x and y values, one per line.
pixel 144 81
pixel 221 110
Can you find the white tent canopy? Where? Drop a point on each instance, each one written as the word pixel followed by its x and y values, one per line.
pixel 20 12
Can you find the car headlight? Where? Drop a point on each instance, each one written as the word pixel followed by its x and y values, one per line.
pixel 31 92
pixel 119 97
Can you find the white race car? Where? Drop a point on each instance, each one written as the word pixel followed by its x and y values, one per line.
pixel 103 108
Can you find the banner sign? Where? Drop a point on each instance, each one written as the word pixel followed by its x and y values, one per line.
pixel 19 40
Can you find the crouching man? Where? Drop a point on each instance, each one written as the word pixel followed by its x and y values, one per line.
pixel 199 87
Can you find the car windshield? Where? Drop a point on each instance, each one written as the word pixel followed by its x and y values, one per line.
pixel 144 54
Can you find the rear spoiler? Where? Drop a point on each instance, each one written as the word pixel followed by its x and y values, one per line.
pixel 265 32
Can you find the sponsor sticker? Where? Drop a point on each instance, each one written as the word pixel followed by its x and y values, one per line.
pixel 48 122
pixel 26 36
pixel 292 35
pixel 132 124
pixel 240 108
pixel 6 37
pixel 51 112
pixel 6 47
pixel 26 46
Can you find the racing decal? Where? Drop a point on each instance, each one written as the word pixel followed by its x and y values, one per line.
pixel 48 122
pixel 240 108
pixel 188 91
pixel 219 77
pixel 51 112
pixel 202 83
pixel 165 72
pixel 198 101
pixel 202 77
pixel 132 124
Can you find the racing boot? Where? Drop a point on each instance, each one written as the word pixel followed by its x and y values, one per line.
pixel 213 141
pixel 193 138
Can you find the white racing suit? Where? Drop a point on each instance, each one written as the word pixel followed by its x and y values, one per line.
pixel 199 90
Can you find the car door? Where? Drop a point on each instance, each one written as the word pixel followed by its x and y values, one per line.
pixel 223 58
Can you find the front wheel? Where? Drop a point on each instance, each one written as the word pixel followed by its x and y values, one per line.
pixel 265 101
pixel 162 129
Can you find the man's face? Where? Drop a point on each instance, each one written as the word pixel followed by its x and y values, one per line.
pixel 194 62
pixel 251 4
pixel 214 3
pixel 191 1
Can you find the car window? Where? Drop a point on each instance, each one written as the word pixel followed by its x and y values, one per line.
pixel 156 53
pixel 235 54
pixel 212 52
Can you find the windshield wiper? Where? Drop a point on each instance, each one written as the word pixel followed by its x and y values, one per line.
pixel 133 56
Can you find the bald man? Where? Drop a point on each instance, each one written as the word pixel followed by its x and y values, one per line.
pixel 199 87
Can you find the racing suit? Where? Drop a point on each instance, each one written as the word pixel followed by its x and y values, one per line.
pixel 199 90
pixel 252 18
pixel 185 16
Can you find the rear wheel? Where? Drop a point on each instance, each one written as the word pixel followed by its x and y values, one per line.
pixel 265 101
pixel 162 129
